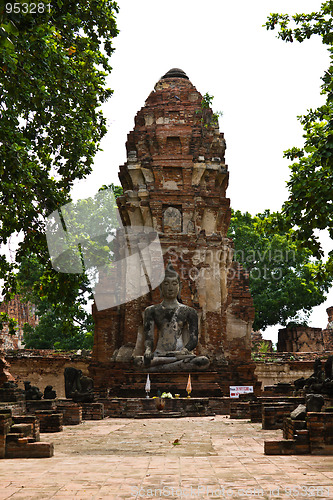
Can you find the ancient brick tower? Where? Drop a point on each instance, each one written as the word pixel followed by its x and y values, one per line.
pixel 175 180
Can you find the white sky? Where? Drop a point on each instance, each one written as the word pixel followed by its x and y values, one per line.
pixel 260 84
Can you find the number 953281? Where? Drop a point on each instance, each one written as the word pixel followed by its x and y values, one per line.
pixel 27 8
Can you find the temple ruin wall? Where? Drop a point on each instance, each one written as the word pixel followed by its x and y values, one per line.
pixel 48 369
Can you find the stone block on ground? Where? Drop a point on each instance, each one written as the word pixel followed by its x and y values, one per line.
pixel 5 424
pixel 49 421
pixel 72 412
pixel 273 415
pixel 287 447
pixel 314 402
pixel 24 449
pixel 40 405
pixel 29 419
pixel 240 409
pixel 320 426
pixel 26 430
pixel 92 411
pixel 290 427
pixel 20 439
pixel 299 413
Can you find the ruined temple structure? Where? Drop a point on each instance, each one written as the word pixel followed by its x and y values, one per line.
pixel 307 339
pixel 5 375
pixel 23 312
pixel 175 181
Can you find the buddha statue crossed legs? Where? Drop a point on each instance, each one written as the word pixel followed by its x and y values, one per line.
pixel 177 327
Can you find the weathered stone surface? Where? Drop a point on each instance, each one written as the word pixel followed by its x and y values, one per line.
pixel 72 412
pixel 21 439
pixel 41 405
pixel 92 411
pixel 24 429
pixel 313 436
pixel 179 407
pixel 31 420
pixel 299 413
pixel 21 449
pixel 307 339
pixel 314 402
pixel 42 368
pixel 300 339
pixel 5 424
pixel 78 386
pixel 49 421
pixel 274 413
pixel 177 331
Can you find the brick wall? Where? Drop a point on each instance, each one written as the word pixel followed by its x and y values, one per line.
pixel 300 339
pixel 44 368
pixel 307 339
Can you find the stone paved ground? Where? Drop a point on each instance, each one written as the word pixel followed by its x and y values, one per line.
pixel 117 458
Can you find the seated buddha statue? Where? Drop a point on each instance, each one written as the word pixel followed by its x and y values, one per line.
pixel 177 328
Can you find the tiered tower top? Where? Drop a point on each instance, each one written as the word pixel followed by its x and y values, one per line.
pixel 176 161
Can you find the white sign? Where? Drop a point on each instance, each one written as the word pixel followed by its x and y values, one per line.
pixel 236 390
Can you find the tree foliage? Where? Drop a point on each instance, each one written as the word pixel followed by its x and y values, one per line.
pixel 8 321
pixel 309 206
pixel 64 322
pixel 117 190
pixel 53 67
pixel 283 277
pixel 61 298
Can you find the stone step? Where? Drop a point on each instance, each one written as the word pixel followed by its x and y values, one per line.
pixel 158 414
pixel 301 436
pixel 22 428
pixel 14 436
pixel 29 450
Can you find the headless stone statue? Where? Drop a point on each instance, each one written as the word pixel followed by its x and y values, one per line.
pixel 32 392
pixel 77 386
pixel 177 326
pixel 49 393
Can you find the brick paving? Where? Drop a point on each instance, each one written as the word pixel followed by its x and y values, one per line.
pixel 139 458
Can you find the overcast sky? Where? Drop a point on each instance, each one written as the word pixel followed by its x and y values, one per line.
pixel 260 84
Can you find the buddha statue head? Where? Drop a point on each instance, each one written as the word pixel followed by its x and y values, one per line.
pixel 171 285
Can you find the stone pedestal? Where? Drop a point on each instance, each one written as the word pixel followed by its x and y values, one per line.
pixel 92 411
pixel 122 380
pixel 19 437
pixel 313 436
pixel 50 421
pixel 72 412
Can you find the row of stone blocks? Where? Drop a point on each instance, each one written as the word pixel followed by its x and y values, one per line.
pixel 20 434
pixel 19 437
pixel 177 407
pixel 269 411
pixel 53 414
pixel 238 409
pixel 312 436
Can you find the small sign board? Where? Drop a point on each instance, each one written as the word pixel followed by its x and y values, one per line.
pixel 236 390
